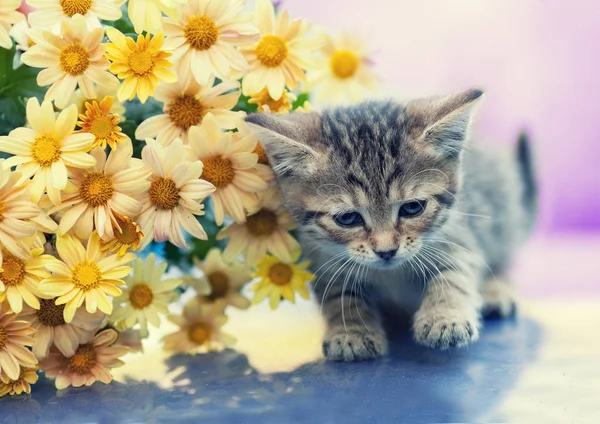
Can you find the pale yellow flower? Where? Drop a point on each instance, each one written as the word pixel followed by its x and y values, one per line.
pixel 186 104
pixel 48 14
pixel 199 329
pixel 146 296
pixel 266 103
pixel 91 362
pixel 230 167
pixel 282 55
pixel 19 279
pixel 147 15
pixel 264 231
pixel 8 16
pixel 345 72
pixel 139 64
pixel 52 330
pixel 98 120
pixel 75 58
pixel 20 33
pixel 102 91
pixel 45 150
pixel 85 274
pixel 175 195
pixel 204 35
pixel 245 135
pixel 22 384
pixel 128 236
pixel 280 280
pixel 15 336
pixel 112 186
pixel 225 279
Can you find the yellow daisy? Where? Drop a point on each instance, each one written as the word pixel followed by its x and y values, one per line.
pixel 71 59
pixel 8 16
pixel 49 13
pixel 145 296
pixel 245 135
pixel 139 64
pixel 85 274
pixel 128 236
pixel 15 336
pixel 175 195
pixel 147 15
pixel 267 104
pixel 20 33
pixel 22 384
pixel 230 167
pixel 186 104
pixel 98 120
pixel 204 35
pixel 264 231
pixel 45 150
pixel 52 330
pixel 199 329
pixel 345 72
pixel 281 56
pixel 102 91
pixel 21 278
pixel 280 280
pixel 225 279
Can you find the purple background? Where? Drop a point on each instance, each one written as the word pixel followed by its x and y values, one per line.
pixel 536 59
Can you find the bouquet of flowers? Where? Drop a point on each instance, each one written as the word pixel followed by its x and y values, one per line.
pixel 125 140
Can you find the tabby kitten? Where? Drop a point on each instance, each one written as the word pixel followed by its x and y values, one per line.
pixel 397 215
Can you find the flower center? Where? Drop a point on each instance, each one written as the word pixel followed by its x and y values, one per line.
pixel 74 59
pixel 218 171
pixel 102 126
pixel 280 274
pixel 198 333
pixel 185 111
pixel 3 336
pixel 96 189
pixel 344 64
pixel 262 155
pixel 72 7
pixel 86 276
pixel 164 194
pixel 129 231
pixel 262 223
pixel 141 296
pixel 219 284
pixel 84 360
pixel 201 32
pixel 45 150
pixel 14 270
pixel 141 62
pixel 50 314
pixel 271 51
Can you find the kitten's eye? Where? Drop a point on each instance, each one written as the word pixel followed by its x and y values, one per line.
pixel 350 219
pixel 412 209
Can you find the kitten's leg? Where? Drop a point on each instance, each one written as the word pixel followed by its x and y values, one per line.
pixel 498 298
pixel 354 331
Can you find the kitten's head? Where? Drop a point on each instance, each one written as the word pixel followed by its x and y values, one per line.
pixel 370 181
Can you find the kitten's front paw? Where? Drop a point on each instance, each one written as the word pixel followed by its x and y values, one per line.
pixel 444 329
pixel 498 300
pixel 354 346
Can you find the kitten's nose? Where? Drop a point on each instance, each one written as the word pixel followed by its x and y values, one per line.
pixel 386 255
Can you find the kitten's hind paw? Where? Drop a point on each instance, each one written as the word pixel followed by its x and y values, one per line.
pixel 443 330
pixel 354 345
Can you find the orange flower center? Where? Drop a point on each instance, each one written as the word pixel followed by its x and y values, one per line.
pixel 141 296
pixel 141 62
pixel 50 314
pixel 280 274
pixel 271 51
pixel 164 194
pixel 201 32
pixel 14 270
pixel 344 64
pixel 128 232
pixel 84 360
pixel 102 126
pixel 185 111
pixel 219 284
pixel 198 333
pixel 74 59
pixel 3 336
pixel 262 155
pixel 262 223
pixel 96 189
pixel 86 276
pixel 45 150
pixel 72 7
pixel 218 171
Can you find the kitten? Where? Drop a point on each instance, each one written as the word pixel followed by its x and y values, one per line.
pixel 396 213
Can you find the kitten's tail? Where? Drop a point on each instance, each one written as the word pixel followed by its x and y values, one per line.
pixel 526 168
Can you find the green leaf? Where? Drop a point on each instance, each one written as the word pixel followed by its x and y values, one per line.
pixel 243 105
pixel 136 113
pixel 302 98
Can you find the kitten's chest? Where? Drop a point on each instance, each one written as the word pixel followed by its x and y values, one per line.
pixel 397 290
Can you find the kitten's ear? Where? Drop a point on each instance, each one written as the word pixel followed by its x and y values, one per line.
pixel 443 122
pixel 287 140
